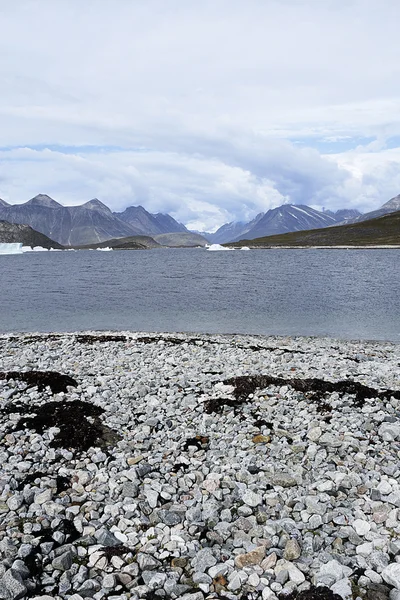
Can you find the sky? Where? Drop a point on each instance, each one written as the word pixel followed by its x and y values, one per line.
pixel 211 111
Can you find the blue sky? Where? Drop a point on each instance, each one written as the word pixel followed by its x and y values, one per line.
pixel 212 111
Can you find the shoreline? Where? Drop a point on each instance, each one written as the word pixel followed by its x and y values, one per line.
pixel 198 466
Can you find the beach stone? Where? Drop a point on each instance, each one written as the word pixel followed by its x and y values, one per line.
pixel 12 586
pixel 284 480
pixel 314 433
pixel 15 502
pixel 44 496
pixel 62 562
pixel 292 550
pixel 203 560
pixel 251 498
pixel 391 574
pixel 254 557
pixel 295 574
pixel 147 562
pixel 361 527
pixel 343 589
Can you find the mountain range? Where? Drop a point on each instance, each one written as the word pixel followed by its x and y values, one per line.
pixel 93 222
pixel 87 223
pixel 285 218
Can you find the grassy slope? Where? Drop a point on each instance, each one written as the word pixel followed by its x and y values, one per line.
pixel 382 231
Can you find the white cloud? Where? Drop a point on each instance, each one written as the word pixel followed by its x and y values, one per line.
pixel 199 97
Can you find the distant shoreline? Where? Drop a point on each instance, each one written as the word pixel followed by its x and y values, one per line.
pixel 374 247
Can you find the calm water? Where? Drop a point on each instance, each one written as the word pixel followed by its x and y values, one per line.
pixel 340 293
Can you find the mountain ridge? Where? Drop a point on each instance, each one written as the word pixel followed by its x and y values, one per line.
pixel 89 223
pixel 383 230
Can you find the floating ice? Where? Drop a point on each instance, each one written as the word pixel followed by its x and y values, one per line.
pixel 217 247
pixel 104 249
pixel 11 248
pixel 245 248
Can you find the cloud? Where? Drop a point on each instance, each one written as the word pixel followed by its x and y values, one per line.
pixel 212 111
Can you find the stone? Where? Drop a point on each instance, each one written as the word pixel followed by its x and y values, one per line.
pixel 147 562
pixel 284 480
pixel 361 527
pixel 43 497
pixel 15 502
pixel 314 433
pixel 269 562
pixel 261 439
pixel 391 574
pixel 254 557
pixel 234 582
pixel 12 586
pixel 253 580
pixel 292 550
pixel 295 574
pixel 333 571
pixel 268 594
pixel 314 522
pixel 129 489
pixel 343 589
pixel 251 498
pixel 203 560
pixel 63 562
pixel 106 538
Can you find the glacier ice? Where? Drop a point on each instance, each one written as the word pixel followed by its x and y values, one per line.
pixel 11 248
pixel 216 248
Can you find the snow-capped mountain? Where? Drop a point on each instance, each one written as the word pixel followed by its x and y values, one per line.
pixel 390 206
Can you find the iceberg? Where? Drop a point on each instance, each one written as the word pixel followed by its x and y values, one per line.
pixel 217 248
pixel 11 248
pixel 245 248
pixel 104 249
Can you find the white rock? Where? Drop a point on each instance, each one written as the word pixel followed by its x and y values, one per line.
pixel 391 574
pixel 361 527
pixel 251 498
pixel 343 589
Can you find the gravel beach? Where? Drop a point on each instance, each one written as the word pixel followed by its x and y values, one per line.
pixel 199 466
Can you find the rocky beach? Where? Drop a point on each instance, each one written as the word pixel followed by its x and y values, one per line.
pixel 185 466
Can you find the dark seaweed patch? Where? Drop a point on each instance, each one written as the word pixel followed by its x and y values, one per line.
pixel 78 421
pixel 315 388
pixel 314 593
pixel 93 339
pixel 56 381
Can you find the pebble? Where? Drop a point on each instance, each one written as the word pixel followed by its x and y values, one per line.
pixel 260 500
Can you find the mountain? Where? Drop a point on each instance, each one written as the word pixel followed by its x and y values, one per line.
pixel 3 203
pixel 145 222
pixel 168 224
pixel 181 240
pixel 345 215
pixel 288 217
pixel 384 230
pixel 285 218
pixel 390 206
pixel 11 233
pixel 87 223
pixel 232 231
